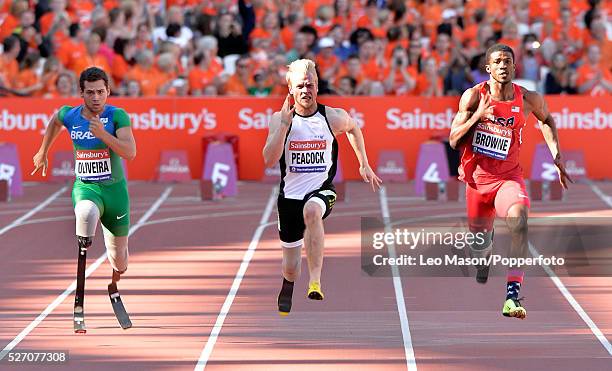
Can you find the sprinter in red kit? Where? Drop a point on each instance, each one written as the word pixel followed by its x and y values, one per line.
pixel 488 131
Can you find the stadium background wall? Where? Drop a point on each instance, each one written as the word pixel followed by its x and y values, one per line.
pixel 387 122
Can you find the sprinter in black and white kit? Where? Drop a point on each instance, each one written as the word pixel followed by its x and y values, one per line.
pixel 303 138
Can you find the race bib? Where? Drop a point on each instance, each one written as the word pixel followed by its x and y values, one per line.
pixel 307 156
pixel 93 165
pixel 492 140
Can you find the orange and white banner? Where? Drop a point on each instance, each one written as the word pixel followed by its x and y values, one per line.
pixel 396 123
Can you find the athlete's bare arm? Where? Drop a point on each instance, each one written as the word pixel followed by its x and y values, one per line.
pixel 341 122
pixel 277 131
pixel 471 110
pixel 536 104
pixel 40 159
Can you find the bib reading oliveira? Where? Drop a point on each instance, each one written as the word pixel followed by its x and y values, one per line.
pixel 93 165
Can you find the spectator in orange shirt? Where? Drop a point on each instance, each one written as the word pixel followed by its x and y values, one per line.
pixel 327 62
pixel 352 68
pixel 293 23
pixel 442 53
pixel 429 83
pixel 9 67
pixel 57 14
pixel 510 35
pixel 125 51
pixel 166 66
pixel 543 10
pixel 12 20
pixel 599 37
pixel 65 86
pixel 371 62
pixel 238 83
pixel 50 73
pixel 209 45
pixel 323 21
pixel 72 49
pixel 431 13
pixel 593 79
pixel 398 80
pixel 370 18
pixel 270 29
pixel 277 75
pixel 27 81
pixel 92 56
pixel 145 73
pixel 569 37
pixel 204 73
pixel 143 37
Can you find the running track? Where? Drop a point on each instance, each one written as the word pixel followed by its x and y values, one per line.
pixel 203 278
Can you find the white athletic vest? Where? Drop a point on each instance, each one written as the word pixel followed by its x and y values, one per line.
pixel 310 156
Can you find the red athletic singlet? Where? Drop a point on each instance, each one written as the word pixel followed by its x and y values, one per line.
pixel 490 150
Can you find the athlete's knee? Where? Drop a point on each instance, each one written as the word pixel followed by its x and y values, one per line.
pixel 482 240
pixel 291 271
pixel 312 212
pixel 517 219
pixel 86 210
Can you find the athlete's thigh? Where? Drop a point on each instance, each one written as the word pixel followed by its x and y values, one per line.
pixel 480 206
pixel 116 218
pixel 511 192
pixel 328 196
pixel 290 221
pixel 86 191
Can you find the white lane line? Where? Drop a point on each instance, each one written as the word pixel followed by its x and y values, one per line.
pixel 604 197
pixel 570 299
pixel 397 284
pixel 40 206
pixel 229 299
pixel 51 307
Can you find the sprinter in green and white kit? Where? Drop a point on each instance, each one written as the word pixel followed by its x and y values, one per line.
pixel 101 135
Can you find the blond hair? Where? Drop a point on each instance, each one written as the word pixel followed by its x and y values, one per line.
pixel 301 67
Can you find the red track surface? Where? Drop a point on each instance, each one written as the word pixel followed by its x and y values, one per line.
pixel 184 260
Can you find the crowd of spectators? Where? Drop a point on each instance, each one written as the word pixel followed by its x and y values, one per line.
pixel 242 47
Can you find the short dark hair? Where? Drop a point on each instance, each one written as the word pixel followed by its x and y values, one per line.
pixel 92 74
pixel 499 48
pixel 10 42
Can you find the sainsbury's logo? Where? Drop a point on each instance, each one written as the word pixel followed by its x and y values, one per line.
pixel 307 145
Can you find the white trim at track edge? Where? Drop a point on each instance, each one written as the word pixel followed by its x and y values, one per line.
pixel 604 197
pixel 231 295
pixel 397 285
pixel 573 302
pixel 17 222
pixel 51 307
